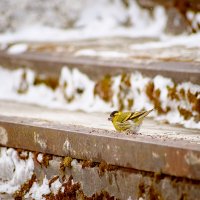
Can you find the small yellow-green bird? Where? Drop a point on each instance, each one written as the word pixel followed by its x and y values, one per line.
pixel 128 122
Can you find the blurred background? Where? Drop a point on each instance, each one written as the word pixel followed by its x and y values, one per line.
pixel 136 54
pixel 66 65
pixel 86 18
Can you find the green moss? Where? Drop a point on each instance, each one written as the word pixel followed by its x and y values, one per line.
pixel 154 96
pixel 172 93
pixel 19 194
pixel 185 113
pixel 51 82
pixel 66 162
pixel 23 85
pixel 103 88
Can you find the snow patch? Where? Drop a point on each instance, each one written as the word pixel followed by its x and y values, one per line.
pixel 38 190
pixel 14 171
pixel 3 136
pixel 96 19
pixel 76 92
pixel 105 54
pixel 17 48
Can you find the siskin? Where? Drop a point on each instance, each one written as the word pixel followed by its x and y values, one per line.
pixel 128 122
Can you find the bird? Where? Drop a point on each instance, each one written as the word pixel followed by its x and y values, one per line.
pixel 128 122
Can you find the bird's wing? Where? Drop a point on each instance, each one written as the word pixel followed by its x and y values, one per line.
pixel 139 115
pixel 124 116
pixel 135 115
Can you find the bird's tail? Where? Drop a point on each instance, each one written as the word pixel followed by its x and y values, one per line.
pixel 147 112
pixel 143 115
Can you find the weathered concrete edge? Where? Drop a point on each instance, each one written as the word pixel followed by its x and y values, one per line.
pixel 121 183
pixel 81 144
pixel 51 66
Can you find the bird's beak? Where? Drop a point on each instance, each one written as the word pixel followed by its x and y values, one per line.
pixel 109 119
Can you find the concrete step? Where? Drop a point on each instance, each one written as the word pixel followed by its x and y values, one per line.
pixel 99 57
pixel 90 136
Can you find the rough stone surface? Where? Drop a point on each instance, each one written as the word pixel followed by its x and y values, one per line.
pixel 120 183
pixel 150 62
pixel 155 149
pixel 123 183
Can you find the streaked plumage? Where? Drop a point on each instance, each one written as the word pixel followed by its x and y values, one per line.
pixel 129 122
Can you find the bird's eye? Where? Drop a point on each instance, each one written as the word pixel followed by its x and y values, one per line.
pixel 113 113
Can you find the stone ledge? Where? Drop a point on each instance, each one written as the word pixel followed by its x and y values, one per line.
pixel 146 61
pixel 150 150
pixel 97 179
